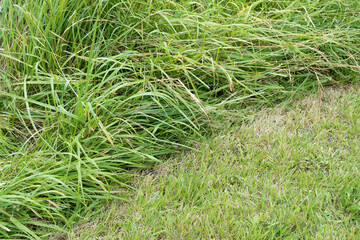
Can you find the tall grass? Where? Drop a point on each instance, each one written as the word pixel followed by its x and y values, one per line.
pixel 90 89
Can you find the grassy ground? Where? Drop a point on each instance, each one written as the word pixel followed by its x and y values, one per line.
pixel 287 173
pixel 91 90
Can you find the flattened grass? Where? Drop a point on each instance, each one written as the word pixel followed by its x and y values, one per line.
pixel 287 173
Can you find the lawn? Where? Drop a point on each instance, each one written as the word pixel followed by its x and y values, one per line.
pixel 285 173
pixel 92 92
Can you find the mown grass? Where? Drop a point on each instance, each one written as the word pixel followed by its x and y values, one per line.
pixel 91 89
pixel 286 173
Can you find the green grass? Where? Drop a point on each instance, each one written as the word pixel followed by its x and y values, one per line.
pixel 90 90
pixel 287 173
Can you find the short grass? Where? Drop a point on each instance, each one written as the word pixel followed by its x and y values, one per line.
pixel 287 173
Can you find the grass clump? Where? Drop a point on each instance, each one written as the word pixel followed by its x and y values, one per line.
pixel 90 89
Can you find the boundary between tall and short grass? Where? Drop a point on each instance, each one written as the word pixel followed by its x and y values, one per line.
pixel 91 89
pixel 288 172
